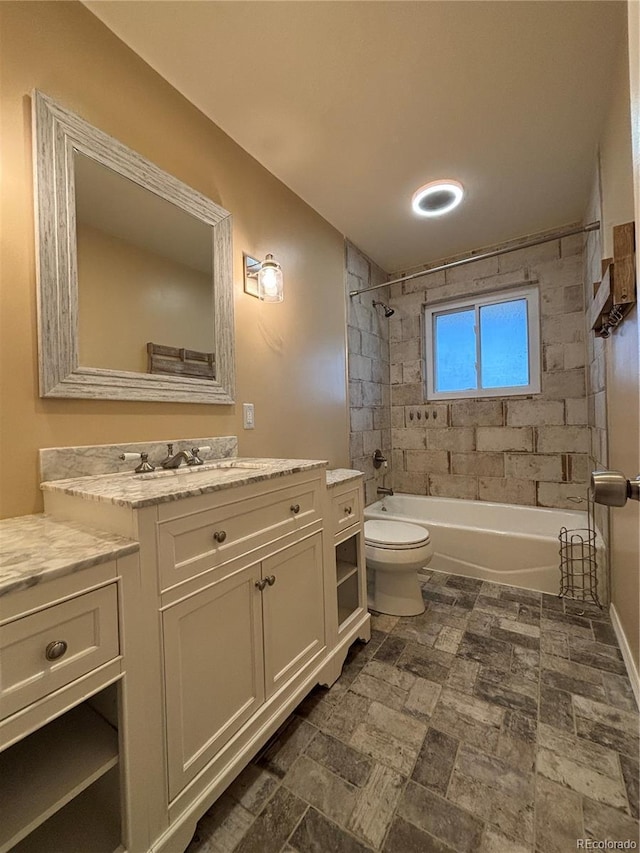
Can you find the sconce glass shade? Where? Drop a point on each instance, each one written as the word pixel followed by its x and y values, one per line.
pixel 270 281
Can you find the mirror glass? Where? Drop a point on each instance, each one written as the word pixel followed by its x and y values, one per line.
pixel 135 272
pixel 144 272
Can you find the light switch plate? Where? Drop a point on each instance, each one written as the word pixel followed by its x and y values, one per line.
pixel 248 416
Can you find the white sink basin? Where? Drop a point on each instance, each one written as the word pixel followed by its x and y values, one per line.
pixel 223 467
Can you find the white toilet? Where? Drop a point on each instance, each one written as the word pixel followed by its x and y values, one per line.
pixel 395 550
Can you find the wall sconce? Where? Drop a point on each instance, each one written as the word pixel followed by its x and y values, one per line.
pixel 263 280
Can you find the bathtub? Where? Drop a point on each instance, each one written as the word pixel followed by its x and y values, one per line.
pixel 515 545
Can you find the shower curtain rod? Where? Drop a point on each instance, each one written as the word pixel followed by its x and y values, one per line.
pixel 568 232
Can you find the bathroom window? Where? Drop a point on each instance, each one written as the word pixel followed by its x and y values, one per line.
pixel 484 347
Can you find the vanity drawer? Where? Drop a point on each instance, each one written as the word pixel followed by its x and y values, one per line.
pixel 195 543
pixel 48 649
pixel 347 509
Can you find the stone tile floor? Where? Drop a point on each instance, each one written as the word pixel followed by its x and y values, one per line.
pixel 500 721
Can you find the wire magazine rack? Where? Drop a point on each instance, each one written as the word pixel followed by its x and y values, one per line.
pixel 578 559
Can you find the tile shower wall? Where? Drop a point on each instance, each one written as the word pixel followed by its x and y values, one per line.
pixel 368 364
pixel 520 450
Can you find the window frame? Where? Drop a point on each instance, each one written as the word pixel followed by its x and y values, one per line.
pixel 532 296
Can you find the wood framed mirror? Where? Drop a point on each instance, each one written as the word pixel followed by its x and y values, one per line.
pixel 128 256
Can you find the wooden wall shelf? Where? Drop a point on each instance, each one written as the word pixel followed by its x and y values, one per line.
pixel 615 295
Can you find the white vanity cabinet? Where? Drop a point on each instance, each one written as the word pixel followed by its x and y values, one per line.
pixel 232 645
pixel 62 784
pixel 229 631
pixel 242 602
pixel 346 499
pixel 235 621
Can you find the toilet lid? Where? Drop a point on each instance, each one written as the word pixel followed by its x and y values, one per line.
pixel 394 534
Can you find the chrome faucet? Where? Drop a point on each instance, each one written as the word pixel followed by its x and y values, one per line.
pixel 175 460
pixel 382 490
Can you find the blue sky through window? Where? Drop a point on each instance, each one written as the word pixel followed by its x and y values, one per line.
pixel 455 351
pixel 504 344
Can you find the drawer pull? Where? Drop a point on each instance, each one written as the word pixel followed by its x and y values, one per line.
pixel 347 510
pixel 220 535
pixel 271 580
pixel 295 508
pixel 261 584
pixel 55 650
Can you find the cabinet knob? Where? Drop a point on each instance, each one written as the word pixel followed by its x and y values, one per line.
pixel 295 508
pixel 55 650
pixel 271 580
pixel 261 584
pixel 347 510
pixel 220 535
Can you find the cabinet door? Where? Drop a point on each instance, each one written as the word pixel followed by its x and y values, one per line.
pixel 293 610
pixel 213 670
pixel 350 578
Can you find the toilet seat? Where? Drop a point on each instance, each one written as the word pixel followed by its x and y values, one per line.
pixel 395 535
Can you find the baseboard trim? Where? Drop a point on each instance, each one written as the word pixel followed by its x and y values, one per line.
pixel 632 669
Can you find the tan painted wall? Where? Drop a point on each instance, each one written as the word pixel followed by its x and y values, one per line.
pixel 623 372
pixel 615 157
pixel 128 296
pixel 290 356
pixel 622 385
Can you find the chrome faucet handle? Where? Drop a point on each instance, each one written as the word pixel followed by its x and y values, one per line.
pixel 169 453
pixel 195 452
pixel 379 459
pixel 144 466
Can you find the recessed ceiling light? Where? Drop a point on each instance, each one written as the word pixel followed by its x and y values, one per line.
pixel 437 198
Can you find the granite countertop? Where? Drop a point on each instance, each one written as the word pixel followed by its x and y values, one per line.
pixel 342 475
pixel 140 490
pixel 37 548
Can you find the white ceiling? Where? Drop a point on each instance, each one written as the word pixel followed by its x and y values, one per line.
pixel 354 105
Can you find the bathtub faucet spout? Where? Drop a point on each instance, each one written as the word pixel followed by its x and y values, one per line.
pixel 381 490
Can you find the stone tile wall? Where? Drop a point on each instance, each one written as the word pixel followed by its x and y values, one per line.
pixel 521 450
pixel 368 365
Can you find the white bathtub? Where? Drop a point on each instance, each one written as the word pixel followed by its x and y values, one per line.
pixel 515 545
